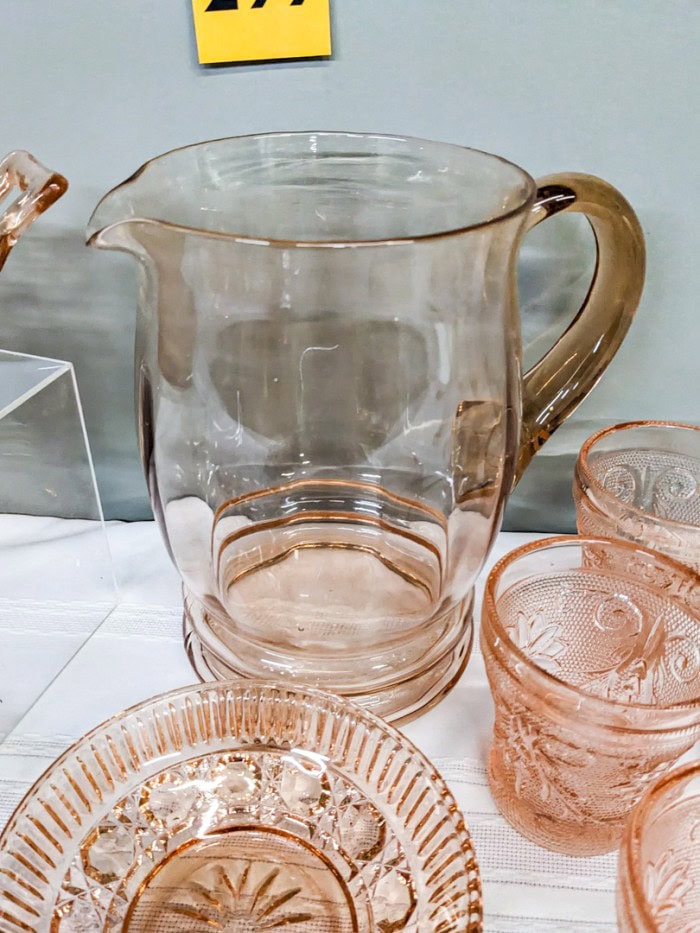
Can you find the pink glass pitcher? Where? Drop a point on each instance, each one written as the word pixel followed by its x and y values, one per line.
pixel 331 405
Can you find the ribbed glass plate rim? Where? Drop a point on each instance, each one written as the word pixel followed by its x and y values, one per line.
pixel 47 826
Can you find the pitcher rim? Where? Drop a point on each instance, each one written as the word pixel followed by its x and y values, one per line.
pixel 524 205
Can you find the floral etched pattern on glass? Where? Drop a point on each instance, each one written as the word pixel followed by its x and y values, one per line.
pixel 658 887
pixel 539 639
pixel 667 883
pixel 240 808
pixel 594 669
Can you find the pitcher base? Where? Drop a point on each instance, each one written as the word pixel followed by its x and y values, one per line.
pixel 396 700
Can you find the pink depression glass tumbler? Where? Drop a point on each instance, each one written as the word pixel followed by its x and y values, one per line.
pixel 658 888
pixel 592 650
pixel 641 481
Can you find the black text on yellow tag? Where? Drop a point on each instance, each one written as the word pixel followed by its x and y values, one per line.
pixel 261 30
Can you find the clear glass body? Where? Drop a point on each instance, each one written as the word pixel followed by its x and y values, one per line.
pixel 658 888
pixel 53 545
pixel 330 397
pixel 641 481
pixel 51 530
pixel 592 650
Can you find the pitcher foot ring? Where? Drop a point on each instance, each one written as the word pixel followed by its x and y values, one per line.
pixel 398 702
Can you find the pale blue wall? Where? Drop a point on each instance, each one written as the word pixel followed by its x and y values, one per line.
pixel 606 86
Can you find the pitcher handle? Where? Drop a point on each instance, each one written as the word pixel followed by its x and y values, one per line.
pixel 555 386
pixel 39 188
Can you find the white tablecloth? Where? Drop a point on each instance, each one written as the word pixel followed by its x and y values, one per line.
pixel 137 652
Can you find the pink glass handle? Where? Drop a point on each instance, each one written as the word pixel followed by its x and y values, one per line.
pixel 39 188
pixel 553 388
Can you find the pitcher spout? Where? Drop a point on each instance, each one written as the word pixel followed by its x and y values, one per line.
pixel 115 222
pixel 131 214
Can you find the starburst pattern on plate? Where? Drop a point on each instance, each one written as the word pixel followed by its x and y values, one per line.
pixel 221 899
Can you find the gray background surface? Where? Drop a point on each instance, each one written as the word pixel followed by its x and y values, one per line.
pixel 604 86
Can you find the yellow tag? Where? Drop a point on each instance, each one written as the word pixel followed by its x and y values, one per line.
pixel 260 30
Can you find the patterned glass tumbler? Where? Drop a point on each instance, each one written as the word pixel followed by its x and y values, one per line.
pixel 641 481
pixel 592 650
pixel 658 885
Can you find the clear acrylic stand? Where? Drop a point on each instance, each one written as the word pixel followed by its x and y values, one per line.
pixel 56 578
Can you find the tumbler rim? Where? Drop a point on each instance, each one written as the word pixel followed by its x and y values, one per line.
pixel 630 844
pixel 550 685
pixel 583 470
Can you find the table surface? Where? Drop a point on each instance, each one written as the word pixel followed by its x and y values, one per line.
pixel 138 652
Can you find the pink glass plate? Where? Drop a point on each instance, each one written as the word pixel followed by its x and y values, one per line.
pixel 240 807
